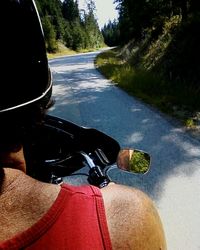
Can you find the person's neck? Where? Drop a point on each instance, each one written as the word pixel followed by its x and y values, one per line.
pixel 13 159
pixel 8 179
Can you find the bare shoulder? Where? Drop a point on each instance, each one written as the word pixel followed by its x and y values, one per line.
pixel 133 220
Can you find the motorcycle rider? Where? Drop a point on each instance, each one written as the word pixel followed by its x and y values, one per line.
pixel 37 215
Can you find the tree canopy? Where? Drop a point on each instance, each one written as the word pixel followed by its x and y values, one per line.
pixel 62 20
pixel 136 16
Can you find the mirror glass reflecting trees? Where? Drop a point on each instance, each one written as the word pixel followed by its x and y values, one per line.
pixel 133 160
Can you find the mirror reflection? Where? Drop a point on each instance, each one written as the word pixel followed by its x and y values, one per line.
pixel 133 160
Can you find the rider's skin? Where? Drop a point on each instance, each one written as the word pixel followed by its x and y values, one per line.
pixel 133 221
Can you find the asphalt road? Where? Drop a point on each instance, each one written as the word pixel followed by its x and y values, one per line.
pixel 85 97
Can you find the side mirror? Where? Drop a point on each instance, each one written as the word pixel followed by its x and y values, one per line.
pixel 134 160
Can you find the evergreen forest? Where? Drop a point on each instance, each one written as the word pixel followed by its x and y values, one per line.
pixel 64 22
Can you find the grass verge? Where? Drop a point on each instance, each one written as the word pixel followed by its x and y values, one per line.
pixel 174 99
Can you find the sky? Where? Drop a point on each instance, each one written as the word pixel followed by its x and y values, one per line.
pixel 105 10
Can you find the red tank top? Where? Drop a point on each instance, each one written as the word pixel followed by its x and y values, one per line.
pixel 75 221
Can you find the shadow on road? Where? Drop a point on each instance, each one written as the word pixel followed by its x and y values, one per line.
pixel 85 97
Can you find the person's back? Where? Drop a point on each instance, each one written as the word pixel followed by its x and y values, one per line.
pixel 32 212
pixel 52 217
pixel 132 220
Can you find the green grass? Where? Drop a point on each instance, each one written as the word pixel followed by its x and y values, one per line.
pixel 62 51
pixel 173 98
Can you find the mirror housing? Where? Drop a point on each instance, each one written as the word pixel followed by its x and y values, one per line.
pixel 134 161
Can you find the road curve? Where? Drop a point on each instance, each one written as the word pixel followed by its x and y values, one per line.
pixel 85 97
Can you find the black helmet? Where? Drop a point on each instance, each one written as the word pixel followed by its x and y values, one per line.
pixel 25 74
